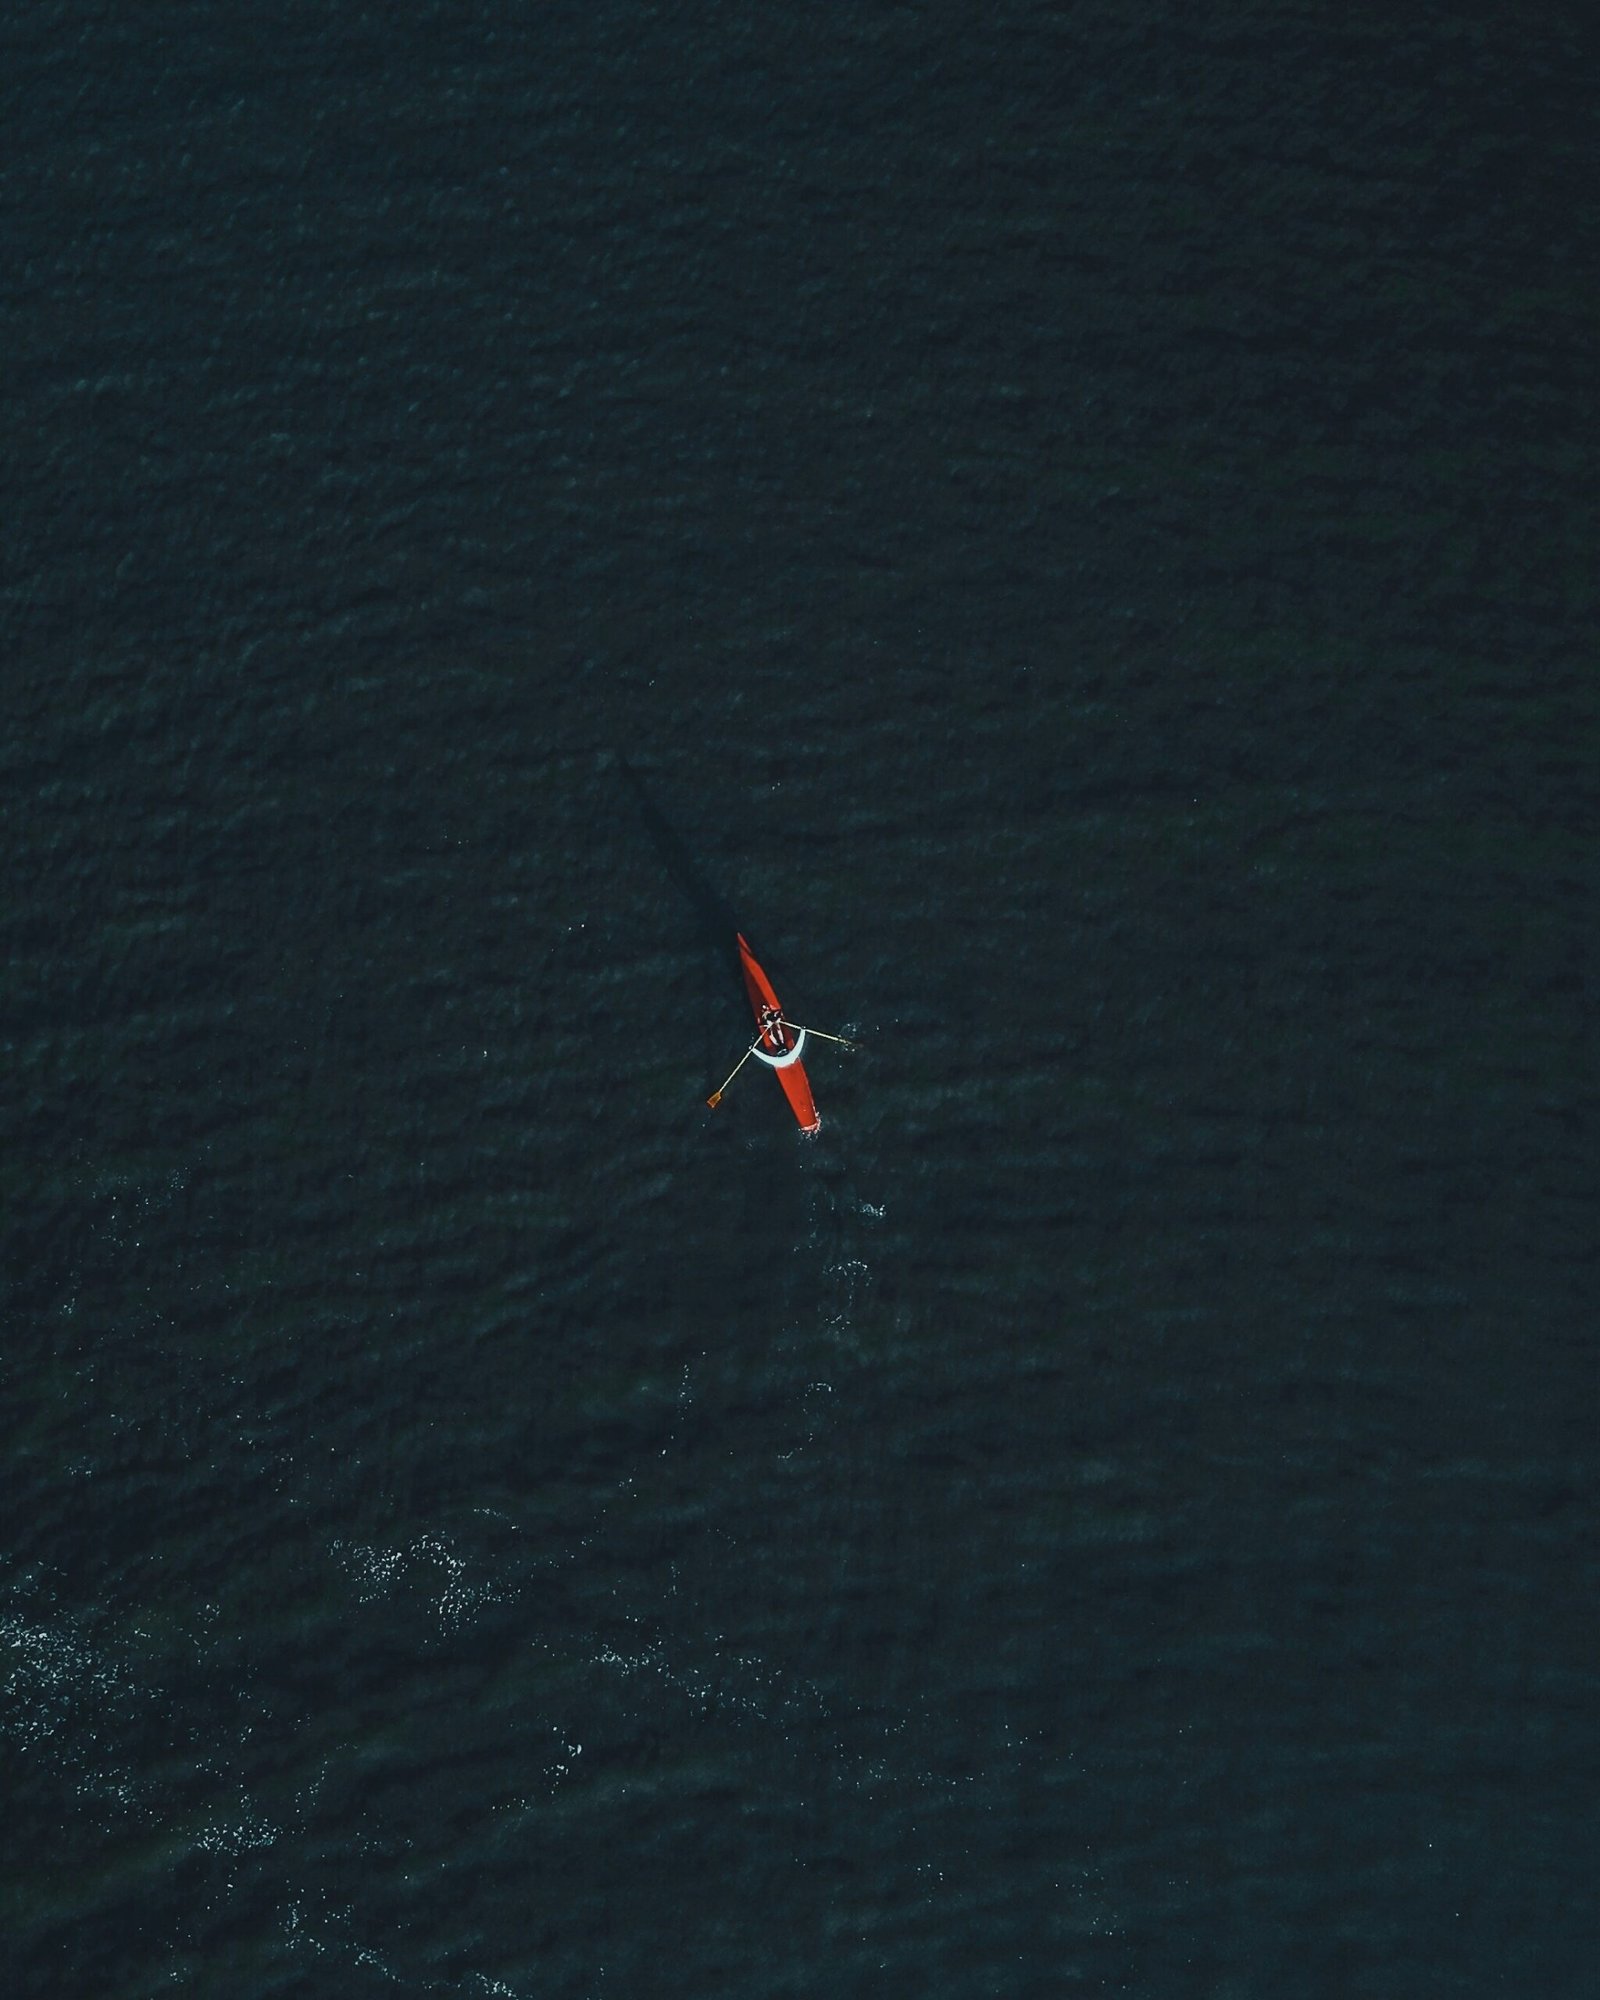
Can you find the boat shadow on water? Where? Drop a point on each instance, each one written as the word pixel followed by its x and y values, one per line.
pixel 778 1041
pixel 716 923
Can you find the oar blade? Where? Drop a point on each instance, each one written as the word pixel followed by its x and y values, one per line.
pixel 716 1096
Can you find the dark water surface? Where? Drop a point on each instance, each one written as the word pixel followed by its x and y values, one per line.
pixel 1081 522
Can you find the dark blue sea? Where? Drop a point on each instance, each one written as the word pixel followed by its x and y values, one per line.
pixel 1073 526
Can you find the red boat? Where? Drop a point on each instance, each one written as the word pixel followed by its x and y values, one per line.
pixel 777 1044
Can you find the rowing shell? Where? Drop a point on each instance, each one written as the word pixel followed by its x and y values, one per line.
pixel 777 1044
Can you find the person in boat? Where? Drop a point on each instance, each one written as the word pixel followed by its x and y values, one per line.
pixel 772 1031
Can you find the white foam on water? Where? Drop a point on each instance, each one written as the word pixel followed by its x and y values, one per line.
pixel 51 1681
pixel 59 1696
pixel 849 1277
pixel 328 1934
pixel 378 1570
pixel 739 1685
pixel 240 1831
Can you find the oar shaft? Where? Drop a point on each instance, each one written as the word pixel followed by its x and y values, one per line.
pixel 821 1034
pixel 716 1096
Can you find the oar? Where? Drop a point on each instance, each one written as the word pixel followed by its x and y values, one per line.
pixel 716 1096
pixel 821 1035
